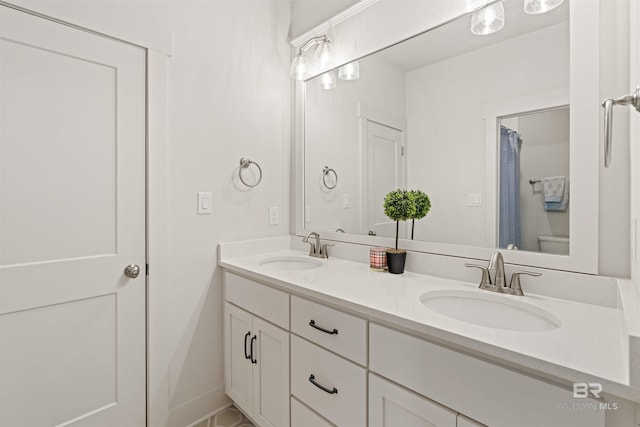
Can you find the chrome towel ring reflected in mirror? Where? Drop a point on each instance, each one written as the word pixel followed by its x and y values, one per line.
pixel 326 171
pixel 244 164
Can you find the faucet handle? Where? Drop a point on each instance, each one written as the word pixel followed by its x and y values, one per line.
pixel 324 251
pixel 486 278
pixel 514 286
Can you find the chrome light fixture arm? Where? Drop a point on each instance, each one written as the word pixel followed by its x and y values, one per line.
pixel 312 42
pixel 299 67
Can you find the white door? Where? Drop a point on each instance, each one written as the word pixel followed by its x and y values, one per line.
pixel 383 173
pixel 271 375
pixel 238 345
pixel 634 137
pixel 72 216
pixel 392 406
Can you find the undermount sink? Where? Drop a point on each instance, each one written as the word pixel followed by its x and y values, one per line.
pixel 292 263
pixel 484 308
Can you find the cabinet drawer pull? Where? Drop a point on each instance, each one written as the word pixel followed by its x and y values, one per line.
pixel 312 380
pixel 312 323
pixel 253 338
pixel 246 355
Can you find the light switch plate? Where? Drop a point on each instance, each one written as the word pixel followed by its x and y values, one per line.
pixel 274 216
pixel 475 200
pixel 346 200
pixel 205 203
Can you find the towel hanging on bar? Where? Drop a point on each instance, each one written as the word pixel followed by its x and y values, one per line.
pixel 555 193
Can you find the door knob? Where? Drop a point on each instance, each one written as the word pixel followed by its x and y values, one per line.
pixel 132 271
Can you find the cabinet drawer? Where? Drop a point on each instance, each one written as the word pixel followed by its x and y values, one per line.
pixel 259 299
pixel 301 416
pixel 467 422
pixel 343 333
pixel 470 386
pixel 348 404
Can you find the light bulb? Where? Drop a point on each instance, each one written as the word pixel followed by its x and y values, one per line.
pixel 488 20
pixel 533 7
pixel 350 71
pixel 299 69
pixel 328 80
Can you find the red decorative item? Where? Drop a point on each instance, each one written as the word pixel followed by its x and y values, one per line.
pixel 378 259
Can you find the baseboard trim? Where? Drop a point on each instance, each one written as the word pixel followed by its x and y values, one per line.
pixel 199 409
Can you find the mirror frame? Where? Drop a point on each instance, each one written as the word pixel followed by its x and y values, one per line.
pixel 353 42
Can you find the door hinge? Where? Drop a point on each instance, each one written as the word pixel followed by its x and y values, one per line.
pixel 402 151
pixel 146 269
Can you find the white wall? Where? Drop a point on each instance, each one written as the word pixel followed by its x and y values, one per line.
pixel 446 160
pixel 229 97
pixel 544 152
pixel 333 139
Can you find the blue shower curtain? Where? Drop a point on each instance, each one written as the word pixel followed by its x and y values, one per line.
pixel 510 142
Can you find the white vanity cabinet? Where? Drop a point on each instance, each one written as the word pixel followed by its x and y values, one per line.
pixel 391 406
pixel 482 390
pixel 304 417
pixel 291 361
pixel 256 354
pixel 323 373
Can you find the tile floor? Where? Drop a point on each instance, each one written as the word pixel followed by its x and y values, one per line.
pixel 229 417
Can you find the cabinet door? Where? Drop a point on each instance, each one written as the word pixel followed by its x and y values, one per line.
pixel 237 367
pixel 270 375
pixel 392 406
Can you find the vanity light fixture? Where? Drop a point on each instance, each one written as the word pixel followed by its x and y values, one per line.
pixel 350 71
pixel 488 20
pixel 328 80
pixel 299 67
pixel 533 7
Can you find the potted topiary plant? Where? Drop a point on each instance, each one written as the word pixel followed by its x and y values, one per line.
pixel 399 206
pixel 423 205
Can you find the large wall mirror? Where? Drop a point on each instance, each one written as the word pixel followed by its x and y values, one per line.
pixel 482 124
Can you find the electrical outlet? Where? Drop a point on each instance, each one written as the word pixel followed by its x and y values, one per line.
pixel 274 216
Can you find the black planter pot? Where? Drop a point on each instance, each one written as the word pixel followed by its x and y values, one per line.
pixel 395 260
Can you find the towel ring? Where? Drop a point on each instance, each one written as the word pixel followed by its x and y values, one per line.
pixel 326 171
pixel 244 164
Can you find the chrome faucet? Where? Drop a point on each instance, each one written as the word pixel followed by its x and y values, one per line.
pixel 514 286
pixel 317 249
pixel 496 265
pixel 499 281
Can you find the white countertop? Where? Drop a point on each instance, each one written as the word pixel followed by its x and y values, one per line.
pixel 591 344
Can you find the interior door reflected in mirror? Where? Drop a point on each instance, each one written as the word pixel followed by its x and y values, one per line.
pixel 415 119
pixel 534 181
